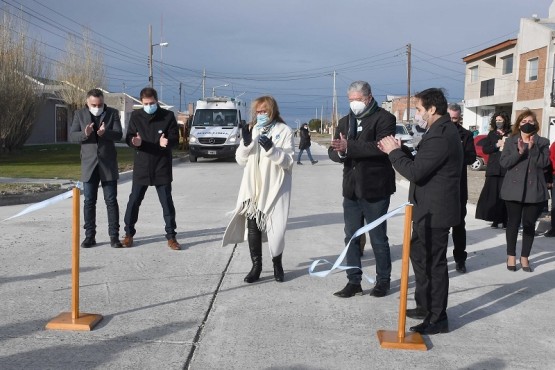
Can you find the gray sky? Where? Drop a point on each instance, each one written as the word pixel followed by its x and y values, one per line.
pixel 286 48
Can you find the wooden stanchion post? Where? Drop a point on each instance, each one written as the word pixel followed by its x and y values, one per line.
pixel 74 320
pixel 399 339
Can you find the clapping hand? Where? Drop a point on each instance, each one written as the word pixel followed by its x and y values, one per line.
pixel 247 135
pixel 520 145
pixel 339 145
pixel 388 144
pixel 531 142
pixel 101 130
pixel 265 142
pixel 89 129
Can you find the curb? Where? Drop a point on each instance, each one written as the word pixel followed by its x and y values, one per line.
pixel 16 199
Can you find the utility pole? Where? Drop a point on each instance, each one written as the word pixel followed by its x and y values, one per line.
pixel 150 79
pixel 203 81
pixel 180 96
pixel 322 120
pixel 334 107
pixel 408 81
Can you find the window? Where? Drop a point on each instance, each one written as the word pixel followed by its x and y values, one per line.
pixel 487 88
pixel 507 64
pixel 474 74
pixel 532 70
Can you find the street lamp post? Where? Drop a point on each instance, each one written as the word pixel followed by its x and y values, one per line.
pixel 150 47
pixel 214 88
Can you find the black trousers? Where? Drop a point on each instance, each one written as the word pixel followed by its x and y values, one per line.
pixel 459 237
pixel 166 201
pixel 428 254
pixel 528 213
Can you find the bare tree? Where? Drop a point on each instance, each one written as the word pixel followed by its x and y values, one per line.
pixel 21 64
pixel 81 70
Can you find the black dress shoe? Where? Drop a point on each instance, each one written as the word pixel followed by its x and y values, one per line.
pixel 88 242
pixel 509 267
pixel 380 289
pixel 349 291
pixel 417 313
pixel 431 328
pixel 115 242
pixel 526 268
pixel 461 267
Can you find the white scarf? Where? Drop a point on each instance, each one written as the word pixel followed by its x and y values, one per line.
pixel 262 181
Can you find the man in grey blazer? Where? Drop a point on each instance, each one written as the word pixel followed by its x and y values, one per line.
pixel 97 127
pixel 434 175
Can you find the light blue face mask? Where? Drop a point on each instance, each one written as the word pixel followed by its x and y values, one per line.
pixel 150 109
pixel 262 120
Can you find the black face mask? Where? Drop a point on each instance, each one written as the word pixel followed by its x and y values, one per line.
pixel 527 128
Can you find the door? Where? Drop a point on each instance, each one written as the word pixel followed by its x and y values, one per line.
pixel 61 123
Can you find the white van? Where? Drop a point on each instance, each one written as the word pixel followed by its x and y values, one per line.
pixel 216 128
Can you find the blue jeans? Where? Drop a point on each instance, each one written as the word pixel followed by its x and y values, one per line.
pixel 90 192
pixel 354 213
pixel 307 152
pixel 166 201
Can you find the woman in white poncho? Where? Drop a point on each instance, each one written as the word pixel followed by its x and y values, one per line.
pixel 266 152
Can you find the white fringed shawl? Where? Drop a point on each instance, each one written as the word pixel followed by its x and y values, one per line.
pixel 265 188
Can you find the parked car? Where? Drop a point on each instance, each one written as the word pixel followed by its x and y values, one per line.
pixel 481 158
pixel 402 133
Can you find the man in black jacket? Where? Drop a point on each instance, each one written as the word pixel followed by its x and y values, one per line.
pixel 152 132
pixel 469 153
pixel 368 182
pixel 434 175
pixel 97 127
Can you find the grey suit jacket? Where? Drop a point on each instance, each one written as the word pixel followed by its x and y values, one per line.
pixel 434 175
pixel 525 180
pixel 97 150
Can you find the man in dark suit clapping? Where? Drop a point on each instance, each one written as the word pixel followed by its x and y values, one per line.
pixel 434 175
pixel 97 127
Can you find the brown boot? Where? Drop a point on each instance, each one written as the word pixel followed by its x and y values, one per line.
pixel 173 244
pixel 127 241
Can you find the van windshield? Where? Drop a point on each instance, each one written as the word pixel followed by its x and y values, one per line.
pixel 215 117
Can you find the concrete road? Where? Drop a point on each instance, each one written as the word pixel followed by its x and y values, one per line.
pixel 167 309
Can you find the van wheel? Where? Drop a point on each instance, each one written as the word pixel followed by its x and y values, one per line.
pixel 192 158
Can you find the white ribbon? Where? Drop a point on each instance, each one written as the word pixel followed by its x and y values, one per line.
pixel 339 260
pixel 46 203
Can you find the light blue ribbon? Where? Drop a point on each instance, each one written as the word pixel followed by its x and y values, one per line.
pixel 48 202
pixel 362 230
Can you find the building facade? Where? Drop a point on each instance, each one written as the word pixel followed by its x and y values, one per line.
pixel 514 75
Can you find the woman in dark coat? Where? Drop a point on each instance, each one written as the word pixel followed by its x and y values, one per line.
pixel 304 144
pixel 525 156
pixel 490 206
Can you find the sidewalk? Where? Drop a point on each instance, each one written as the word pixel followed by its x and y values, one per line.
pixel 165 309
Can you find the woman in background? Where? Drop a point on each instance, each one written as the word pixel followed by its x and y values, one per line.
pixel 266 152
pixel 525 155
pixel 490 206
pixel 304 144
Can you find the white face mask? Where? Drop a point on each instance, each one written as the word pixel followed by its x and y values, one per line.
pixel 420 121
pixel 357 107
pixel 96 111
